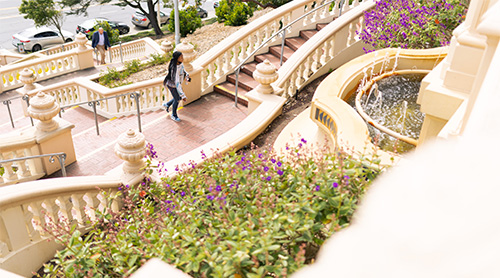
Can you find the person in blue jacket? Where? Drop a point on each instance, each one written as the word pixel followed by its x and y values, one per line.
pixel 173 80
pixel 101 41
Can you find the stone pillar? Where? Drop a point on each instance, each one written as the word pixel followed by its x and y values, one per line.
pixel 188 53
pixel 131 147
pixel 85 59
pixel 265 74
pixel 166 46
pixel 44 108
pixel 81 40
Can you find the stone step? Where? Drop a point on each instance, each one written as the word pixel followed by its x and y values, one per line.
pixel 320 26
pixel 249 68
pixel 295 42
pixel 276 51
pixel 307 34
pixel 227 89
pixel 245 81
pixel 273 59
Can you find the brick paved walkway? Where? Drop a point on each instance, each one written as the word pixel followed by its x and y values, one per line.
pixel 202 121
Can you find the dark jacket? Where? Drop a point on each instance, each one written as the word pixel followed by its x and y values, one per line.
pixel 95 40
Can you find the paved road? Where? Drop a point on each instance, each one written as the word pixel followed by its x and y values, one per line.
pixel 12 22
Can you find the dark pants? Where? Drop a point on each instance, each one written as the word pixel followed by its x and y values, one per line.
pixel 174 102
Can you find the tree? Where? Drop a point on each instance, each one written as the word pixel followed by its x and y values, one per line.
pixel 80 7
pixel 268 3
pixel 43 12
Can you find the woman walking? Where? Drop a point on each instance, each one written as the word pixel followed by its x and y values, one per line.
pixel 176 74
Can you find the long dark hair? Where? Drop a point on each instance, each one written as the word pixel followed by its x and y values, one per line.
pixel 172 67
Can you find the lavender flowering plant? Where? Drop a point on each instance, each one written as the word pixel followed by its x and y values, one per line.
pixel 412 23
pixel 251 214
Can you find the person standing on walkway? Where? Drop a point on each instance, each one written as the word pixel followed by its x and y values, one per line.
pixel 101 41
pixel 176 74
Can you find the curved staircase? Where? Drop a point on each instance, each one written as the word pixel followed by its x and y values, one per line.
pixel 246 82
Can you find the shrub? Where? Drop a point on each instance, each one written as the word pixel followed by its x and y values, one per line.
pixel 251 214
pixel 412 23
pixel 111 78
pixel 235 13
pixel 159 59
pixel 113 35
pixel 133 66
pixel 189 21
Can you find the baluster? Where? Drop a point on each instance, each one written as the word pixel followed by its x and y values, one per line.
pixel 227 61
pixel 317 58
pixel 355 3
pixel 346 7
pixel 79 209
pixel 204 76
pixel 243 50
pixel 211 74
pixel 22 171
pixel 251 44
pixel 258 37
pixel 352 33
pixel 39 221
pixel 52 210
pixel 236 55
pixel 9 174
pixel 219 72
pixel 65 210
pixel 93 205
pixel 28 219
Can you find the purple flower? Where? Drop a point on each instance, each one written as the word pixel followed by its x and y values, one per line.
pixel 278 164
pixel 218 188
pixel 268 178
pixel 266 169
pixel 280 172
pixel 335 185
pixel 261 155
pixel 273 160
pixel 317 188
pixel 303 140
pixel 346 177
pixel 210 197
pixel 183 194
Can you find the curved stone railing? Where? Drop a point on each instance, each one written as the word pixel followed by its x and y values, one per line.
pixel 220 61
pixel 321 53
pixel 29 212
pixel 7 57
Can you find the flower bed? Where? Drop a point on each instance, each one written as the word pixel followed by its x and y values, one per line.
pixel 238 215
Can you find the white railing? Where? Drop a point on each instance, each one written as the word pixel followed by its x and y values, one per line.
pixel 43 68
pixel 28 213
pixel 319 51
pixel 223 59
pixel 7 57
pixel 20 171
pixel 60 48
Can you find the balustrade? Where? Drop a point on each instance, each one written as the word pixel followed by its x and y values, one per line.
pixel 19 171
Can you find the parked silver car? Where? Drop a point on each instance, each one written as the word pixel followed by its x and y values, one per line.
pixel 34 39
pixel 141 20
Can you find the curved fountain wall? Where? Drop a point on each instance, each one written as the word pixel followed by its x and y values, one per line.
pixel 344 127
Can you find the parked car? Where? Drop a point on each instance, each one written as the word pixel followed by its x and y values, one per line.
pixel 35 39
pixel 87 27
pixel 216 4
pixel 201 12
pixel 141 20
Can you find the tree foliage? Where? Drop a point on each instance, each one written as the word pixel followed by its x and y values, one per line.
pixel 43 12
pixel 189 21
pixel 268 3
pixel 147 7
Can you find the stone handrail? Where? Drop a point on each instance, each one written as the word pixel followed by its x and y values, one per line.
pixel 7 57
pixel 60 48
pixel 33 207
pixel 18 147
pixel 319 53
pixel 43 68
pixel 220 61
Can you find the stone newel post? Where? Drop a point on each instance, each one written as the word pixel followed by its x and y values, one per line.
pixel 188 53
pixel 81 40
pixel 265 74
pixel 166 46
pixel 44 108
pixel 131 147
pixel 28 78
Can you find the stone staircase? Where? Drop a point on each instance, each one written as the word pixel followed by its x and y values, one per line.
pixel 246 83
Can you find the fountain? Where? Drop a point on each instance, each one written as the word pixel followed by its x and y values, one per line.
pixel 388 104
